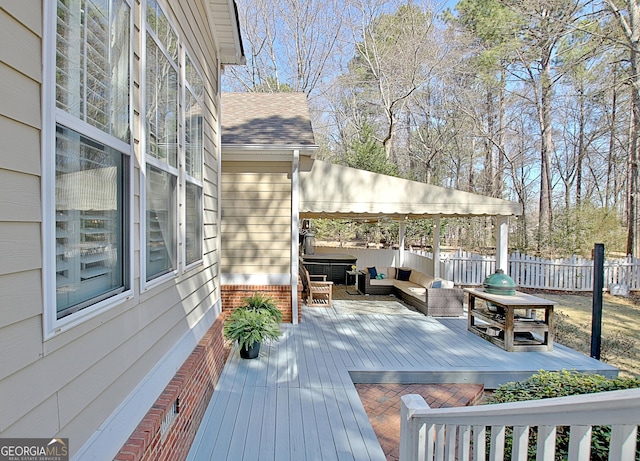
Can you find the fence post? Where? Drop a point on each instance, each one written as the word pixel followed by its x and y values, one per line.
pixel 596 320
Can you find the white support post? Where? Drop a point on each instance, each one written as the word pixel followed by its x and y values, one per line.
pixel 502 243
pixel 401 237
pixel 295 224
pixel 436 246
pixel 413 438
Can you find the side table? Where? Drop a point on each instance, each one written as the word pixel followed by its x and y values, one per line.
pixel 351 275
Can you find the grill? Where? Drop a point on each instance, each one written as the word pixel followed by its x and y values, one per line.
pixel 500 284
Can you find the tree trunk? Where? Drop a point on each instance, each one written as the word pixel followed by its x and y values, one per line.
pixel 630 25
pixel 544 230
pixel 581 148
pixel 632 183
pixel 611 177
pixel 632 187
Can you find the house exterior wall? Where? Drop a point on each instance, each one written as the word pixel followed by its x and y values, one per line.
pixel 101 374
pixel 256 218
pixel 256 234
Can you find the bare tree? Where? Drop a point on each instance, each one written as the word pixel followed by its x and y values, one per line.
pixel 629 21
pixel 291 45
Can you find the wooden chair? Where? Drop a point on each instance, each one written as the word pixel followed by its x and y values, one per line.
pixel 319 293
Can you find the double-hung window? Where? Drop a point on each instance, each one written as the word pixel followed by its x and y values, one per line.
pixel 161 143
pixel 92 152
pixel 193 152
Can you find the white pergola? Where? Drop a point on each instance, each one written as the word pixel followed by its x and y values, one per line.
pixel 339 192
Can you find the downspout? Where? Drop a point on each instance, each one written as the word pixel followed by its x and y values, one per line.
pixel 295 224
pixel 217 273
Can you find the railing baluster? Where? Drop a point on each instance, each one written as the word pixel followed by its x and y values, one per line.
pixel 622 446
pixel 579 443
pixel 479 443
pixel 496 450
pixel 546 450
pixel 520 443
pixel 430 446
pixel 439 453
pixel 464 442
pixel 450 444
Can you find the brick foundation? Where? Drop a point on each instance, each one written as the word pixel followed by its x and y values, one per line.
pixel 232 296
pixel 193 387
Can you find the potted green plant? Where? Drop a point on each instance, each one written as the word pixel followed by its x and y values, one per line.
pixel 252 323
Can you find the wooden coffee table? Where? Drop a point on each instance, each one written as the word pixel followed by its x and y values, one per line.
pixel 517 327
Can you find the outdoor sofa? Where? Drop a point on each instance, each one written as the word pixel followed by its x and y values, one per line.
pixel 431 296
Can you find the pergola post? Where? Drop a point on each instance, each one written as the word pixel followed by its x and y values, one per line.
pixel 436 246
pixel 502 243
pixel 401 237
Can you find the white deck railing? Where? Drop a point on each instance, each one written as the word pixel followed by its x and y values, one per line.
pixel 460 433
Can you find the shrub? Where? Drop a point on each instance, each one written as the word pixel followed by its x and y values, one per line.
pixel 548 384
pixel 261 301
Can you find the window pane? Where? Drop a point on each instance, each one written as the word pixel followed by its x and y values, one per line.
pixel 92 63
pixel 193 78
pixel 162 106
pixel 161 217
pixel 159 24
pixel 91 218
pixel 193 225
pixel 193 137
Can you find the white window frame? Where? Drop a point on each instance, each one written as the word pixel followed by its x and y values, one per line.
pixel 51 115
pixel 149 160
pixel 186 87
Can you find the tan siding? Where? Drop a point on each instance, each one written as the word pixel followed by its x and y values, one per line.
pixel 77 378
pixel 20 296
pixel 20 146
pixel 20 47
pixel 21 345
pixel 233 223
pixel 19 196
pixel 256 218
pixel 28 12
pixel 20 248
pixel 20 96
pixel 42 420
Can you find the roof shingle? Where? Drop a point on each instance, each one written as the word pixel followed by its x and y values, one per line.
pixel 266 119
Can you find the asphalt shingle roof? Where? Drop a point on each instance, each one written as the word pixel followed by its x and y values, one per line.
pixel 266 119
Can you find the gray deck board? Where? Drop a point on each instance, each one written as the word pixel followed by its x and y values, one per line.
pixel 300 397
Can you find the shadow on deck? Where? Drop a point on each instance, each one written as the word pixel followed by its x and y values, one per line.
pixel 298 400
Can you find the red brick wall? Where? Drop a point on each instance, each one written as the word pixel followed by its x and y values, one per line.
pixel 193 386
pixel 232 296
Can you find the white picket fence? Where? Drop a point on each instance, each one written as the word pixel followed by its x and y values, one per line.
pixel 569 274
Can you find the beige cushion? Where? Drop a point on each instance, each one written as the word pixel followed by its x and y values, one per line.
pixel 382 282
pixel 411 289
pixel 421 279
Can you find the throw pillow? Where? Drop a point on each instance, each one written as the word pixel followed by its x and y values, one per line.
pixel 436 284
pixel 372 272
pixel 404 275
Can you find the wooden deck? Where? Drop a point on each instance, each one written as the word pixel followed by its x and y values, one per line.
pixel 298 402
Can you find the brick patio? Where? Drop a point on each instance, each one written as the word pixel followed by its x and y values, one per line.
pixel 382 404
